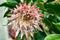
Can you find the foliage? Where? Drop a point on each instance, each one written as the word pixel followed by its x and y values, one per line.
pixel 53 37
pixel 51 19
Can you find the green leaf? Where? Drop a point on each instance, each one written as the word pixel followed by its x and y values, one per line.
pixel 51 26
pixel 7 12
pixel 19 36
pixel 22 1
pixel 28 1
pixel 10 1
pixel 17 1
pixel 39 35
pixel 9 4
pixel 53 18
pixel 50 0
pixel 53 37
pixel 57 25
pixel 44 1
pixel 40 6
pixel 58 18
pixel 47 22
pixel 34 0
pixel 53 7
pixel 40 1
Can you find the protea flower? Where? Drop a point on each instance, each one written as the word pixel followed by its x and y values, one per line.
pixel 24 18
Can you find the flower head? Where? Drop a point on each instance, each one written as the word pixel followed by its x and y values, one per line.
pixel 25 18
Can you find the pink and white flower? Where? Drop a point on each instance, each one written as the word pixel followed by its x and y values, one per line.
pixel 24 18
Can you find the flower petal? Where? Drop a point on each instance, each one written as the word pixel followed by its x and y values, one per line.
pixel 26 34
pixel 38 28
pixel 31 33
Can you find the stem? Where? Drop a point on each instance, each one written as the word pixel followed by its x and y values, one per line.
pixel 29 38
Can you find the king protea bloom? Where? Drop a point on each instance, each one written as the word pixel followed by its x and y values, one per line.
pixel 24 19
